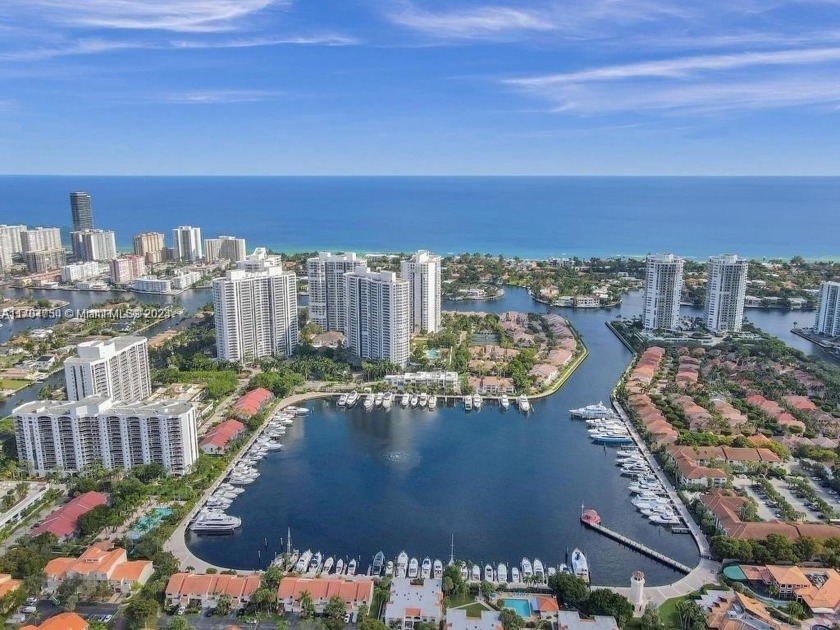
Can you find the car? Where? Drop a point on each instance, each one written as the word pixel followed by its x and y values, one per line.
pixel 28 609
pixel 181 610
pixel 107 618
pixel 31 601
pixel 347 618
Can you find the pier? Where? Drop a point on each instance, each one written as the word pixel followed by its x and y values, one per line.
pixel 637 546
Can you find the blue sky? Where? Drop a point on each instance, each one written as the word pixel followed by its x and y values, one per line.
pixel 420 87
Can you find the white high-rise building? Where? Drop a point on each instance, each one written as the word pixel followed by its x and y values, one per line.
pixel 14 233
pixel 827 321
pixel 79 271
pixel 91 245
pixel 256 309
pixel 378 324
pixel 5 251
pixel 224 248
pixel 117 368
pixel 72 436
pixel 40 239
pixel 423 274
pixel 726 288
pixel 186 243
pixel 663 285
pixel 327 298
pixel 127 268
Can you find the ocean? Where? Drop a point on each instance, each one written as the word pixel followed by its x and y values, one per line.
pixel 531 217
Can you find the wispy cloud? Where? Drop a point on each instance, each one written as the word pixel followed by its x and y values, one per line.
pixel 479 22
pixel 215 97
pixel 166 15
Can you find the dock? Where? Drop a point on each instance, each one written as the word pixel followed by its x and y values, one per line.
pixel 637 546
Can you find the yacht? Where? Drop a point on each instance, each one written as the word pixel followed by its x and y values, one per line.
pixel 414 400
pixel 303 561
pixel 468 403
pixel 328 565
pixel 342 400
pixel 527 569
pixel 387 400
pixel 424 399
pixel 438 570
pixel 293 560
pixel 413 568
pixel 514 575
pixel 504 401
pixel 378 399
pixel 539 572
pixel 368 403
pixel 465 573
pixel 351 567
pixel 273 446
pixel 339 567
pixel 552 571
pixel 501 573
pixel 580 567
pixel 288 422
pixel 476 573
pixel 405 400
pixel 215 522
pixel 378 561
pixel 389 568
pixel 477 401
pixel 432 401
pixel 488 572
pixel 523 404
pixel 592 411
pixel 426 568
pixel 352 398
pixel 402 564
pixel 315 563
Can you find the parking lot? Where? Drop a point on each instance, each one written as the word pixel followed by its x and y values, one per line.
pixel 202 622
pixel 798 504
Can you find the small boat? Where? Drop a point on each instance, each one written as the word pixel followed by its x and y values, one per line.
pixel 342 400
pixel 413 568
pixel 405 400
pixel 514 575
pixel 402 564
pixel 352 398
pixel 387 400
pixel 389 568
pixel 502 573
pixel 523 404
pixel 315 563
pixel 438 570
pixel 468 403
pixel 432 401
pixel 303 561
pixel 378 399
pixel 426 568
pixel 351 567
pixel 368 403
pixel 488 573
pixel 504 401
pixel 476 573
pixel 378 561
pixel 288 422
pixel 424 399
pixel 539 572
pixel 552 571
pixel 293 560
pixel 414 400
pixel 339 567
pixel 328 565
pixel 465 573
pixel 477 401
pixel 580 566
pixel 527 569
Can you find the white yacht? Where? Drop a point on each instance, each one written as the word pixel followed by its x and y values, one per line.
pixel 523 404
pixel 339 567
pixel 468 403
pixel 514 575
pixel 476 573
pixel 405 400
pixel 504 401
pixel 414 400
pixel 539 572
pixel 378 399
pixel 387 400
pixel 298 411
pixel 303 561
pixel 368 403
pixel 342 400
pixel 289 421
pixel 389 568
pixel 315 563
pixel 352 398
pixel 502 573
pixel 477 401
pixel 527 569
pixel 580 566
pixel 215 522
pixel 426 568
pixel 432 401
pixel 488 573
pixel 378 562
pixel 351 567
pixel 592 411
pixel 424 399
pixel 328 565
pixel 413 568
pixel 402 564
pixel 465 573
pixel 438 570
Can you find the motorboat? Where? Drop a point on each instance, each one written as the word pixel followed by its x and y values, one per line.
pixel 211 521
pixel 539 572
pixel 328 565
pixel 352 398
pixel 465 572
pixel 502 573
pixel 405 400
pixel 437 571
pixel 424 399
pixel 477 401
pixel 297 411
pixel 504 401
pixel 387 400
pixel 514 575
pixel 378 561
pixel 413 568
pixel 389 568
pixel 523 404
pixel 552 571
pixel 527 569
pixel 415 399
pixel 315 563
pixel 368 402
pixel 468 403
pixel 580 566
pixel 289 421
pixel 342 400
pixel 488 573
pixel 592 411
pixel 432 401
pixel 476 573
pixel 402 564
pixel 377 400
pixel 303 561
pixel 339 567
pixel 426 568
pixel 351 567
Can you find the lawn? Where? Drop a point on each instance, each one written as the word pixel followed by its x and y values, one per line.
pixel 668 612
pixel 8 383
pixel 475 609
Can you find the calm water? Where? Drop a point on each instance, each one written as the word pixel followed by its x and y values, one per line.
pixel 525 216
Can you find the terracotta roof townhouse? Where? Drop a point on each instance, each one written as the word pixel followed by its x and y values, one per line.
pixel 101 563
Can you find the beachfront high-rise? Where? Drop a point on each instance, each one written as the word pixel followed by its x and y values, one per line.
pixel 256 309
pixel 726 289
pixel 117 368
pixel 327 298
pixel 378 325
pixel 14 233
pixel 40 239
pixel 663 286
pixel 5 252
pixel 94 245
pixel 224 248
pixel 149 245
pixel 81 210
pixel 423 274
pixel 827 321
pixel 186 243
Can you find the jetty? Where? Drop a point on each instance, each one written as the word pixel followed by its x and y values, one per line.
pixel 591 519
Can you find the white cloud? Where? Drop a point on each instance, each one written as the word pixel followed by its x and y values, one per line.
pixel 479 22
pixel 215 97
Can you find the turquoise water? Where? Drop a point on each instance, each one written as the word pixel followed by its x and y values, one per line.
pixel 520 606
pixel 148 522
pixel 432 353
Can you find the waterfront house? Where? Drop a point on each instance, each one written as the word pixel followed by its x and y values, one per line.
pixel 457 619
pixel 428 379
pixel 816 587
pixel 63 523
pixel 491 385
pixel 572 620
pixel 99 564
pixel 189 589
pixel 737 611
pixel 412 602
pixel 356 592
pixel 217 439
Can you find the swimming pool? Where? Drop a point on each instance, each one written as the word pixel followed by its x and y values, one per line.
pixel 520 606
pixel 148 522
pixel 432 353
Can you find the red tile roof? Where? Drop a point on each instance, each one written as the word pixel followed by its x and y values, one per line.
pixel 63 522
pixel 222 433
pixel 351 591
pixel 252 402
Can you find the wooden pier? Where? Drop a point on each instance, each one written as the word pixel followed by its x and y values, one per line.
pixel 637 546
